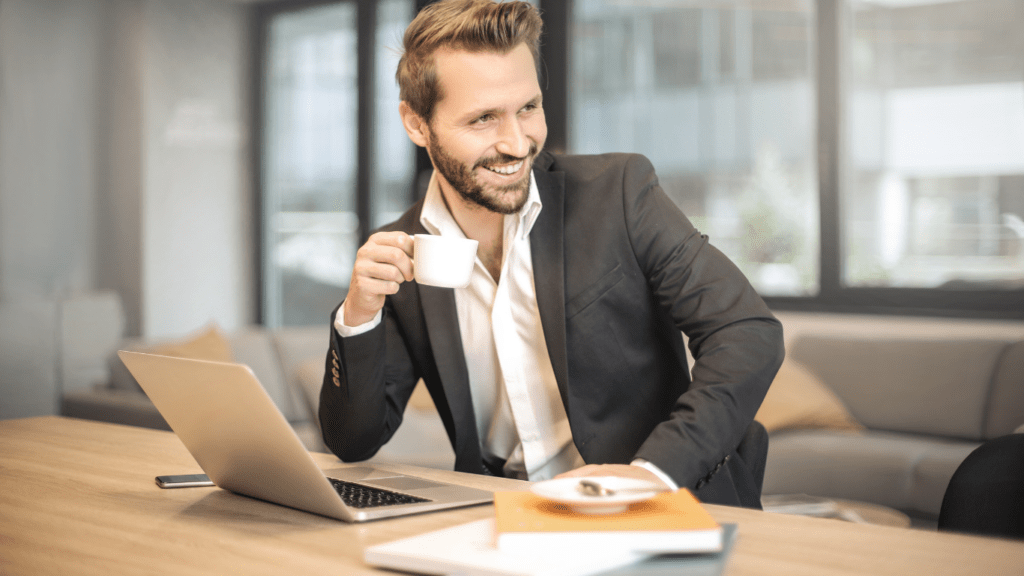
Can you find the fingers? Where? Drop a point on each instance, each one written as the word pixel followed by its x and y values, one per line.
pixel 386 256
pixel 620 470
pixel 382 265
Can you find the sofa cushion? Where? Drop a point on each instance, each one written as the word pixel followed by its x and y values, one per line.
pixel 1006 403
pixel 208 343
pixel 298 345
pixel 908 385
pixel 799 399
pixel 902 471
pixel 933 472
pixel 299 348
pixel 856 466
pixel 310 378
pixel 255 348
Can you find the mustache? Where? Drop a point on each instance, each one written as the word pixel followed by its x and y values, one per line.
pixel 502 158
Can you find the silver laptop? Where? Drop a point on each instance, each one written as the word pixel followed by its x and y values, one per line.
pixel 244 444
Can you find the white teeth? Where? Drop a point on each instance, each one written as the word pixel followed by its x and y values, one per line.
pixel 506 170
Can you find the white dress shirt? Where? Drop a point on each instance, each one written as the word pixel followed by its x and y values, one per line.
pixel 520 417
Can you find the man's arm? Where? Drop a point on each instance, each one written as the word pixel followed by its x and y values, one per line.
pixel 369 375
pixel 736 342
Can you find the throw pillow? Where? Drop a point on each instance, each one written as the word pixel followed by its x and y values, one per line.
pixel 209 343
pixel 798 399
pixel 420 399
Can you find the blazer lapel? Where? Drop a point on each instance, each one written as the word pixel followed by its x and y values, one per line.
pixel 446 342
pixel 547 244
pixel 442 327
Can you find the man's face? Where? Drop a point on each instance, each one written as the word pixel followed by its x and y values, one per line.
pixel 488 127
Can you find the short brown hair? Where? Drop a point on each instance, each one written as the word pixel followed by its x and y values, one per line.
pixel 470 25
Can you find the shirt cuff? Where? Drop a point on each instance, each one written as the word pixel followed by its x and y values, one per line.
pixel 657 472
pixel 346 331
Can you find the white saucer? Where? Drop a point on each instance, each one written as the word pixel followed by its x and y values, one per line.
pixel 564 491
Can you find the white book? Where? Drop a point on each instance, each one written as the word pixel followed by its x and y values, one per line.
pixel 469 550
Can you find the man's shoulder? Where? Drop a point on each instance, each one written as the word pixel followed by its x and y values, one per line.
pixel 591 164
pixel 595 174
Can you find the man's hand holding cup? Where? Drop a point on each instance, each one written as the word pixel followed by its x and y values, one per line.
pixel 387 260
pixel 382 264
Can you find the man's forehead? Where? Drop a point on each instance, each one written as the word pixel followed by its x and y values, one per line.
pixel 476 79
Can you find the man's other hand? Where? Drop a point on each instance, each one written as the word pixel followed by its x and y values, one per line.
pixel 382 264
pixel 620 470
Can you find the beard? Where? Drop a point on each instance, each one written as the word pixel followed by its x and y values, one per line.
pixel 505 199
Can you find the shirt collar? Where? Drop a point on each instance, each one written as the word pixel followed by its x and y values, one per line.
pixel 436 218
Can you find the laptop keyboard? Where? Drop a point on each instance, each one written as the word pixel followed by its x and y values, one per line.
pixel 359 496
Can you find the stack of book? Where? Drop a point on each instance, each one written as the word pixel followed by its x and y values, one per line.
pixel 533 536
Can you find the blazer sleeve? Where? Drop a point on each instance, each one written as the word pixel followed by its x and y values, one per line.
pixel 367 382
pixel 735 341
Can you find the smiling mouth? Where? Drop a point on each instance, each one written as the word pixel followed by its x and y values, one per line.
pixel 506 170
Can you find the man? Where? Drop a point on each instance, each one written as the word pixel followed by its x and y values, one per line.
pixel 564 355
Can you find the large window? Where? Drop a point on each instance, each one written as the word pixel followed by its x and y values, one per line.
pixel 335 159
pixel 934 188
pixel 720 97
pixel 859 155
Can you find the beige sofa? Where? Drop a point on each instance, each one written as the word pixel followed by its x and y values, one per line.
pixel 919 406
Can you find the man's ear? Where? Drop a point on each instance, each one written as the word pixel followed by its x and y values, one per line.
pixel 415 126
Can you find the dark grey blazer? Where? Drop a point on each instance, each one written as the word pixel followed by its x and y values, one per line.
pixel 619 272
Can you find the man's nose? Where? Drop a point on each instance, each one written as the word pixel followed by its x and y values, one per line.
pixel 513 140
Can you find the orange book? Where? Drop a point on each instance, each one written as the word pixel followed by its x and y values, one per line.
pixel 669 523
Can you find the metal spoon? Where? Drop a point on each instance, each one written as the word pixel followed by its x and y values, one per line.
pixel 594 488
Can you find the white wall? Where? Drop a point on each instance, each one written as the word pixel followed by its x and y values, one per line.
pixel 49 94
pixel 123 165
pixel 49 177
pixel 123 157
pixel 196 210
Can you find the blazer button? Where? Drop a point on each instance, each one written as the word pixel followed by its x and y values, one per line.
pixel 337 383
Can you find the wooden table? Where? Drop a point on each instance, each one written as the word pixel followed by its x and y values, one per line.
pixel 78 497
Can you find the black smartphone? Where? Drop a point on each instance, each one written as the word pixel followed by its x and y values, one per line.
pixel 183 481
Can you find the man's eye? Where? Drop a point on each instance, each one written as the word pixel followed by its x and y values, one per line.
pixel 484 118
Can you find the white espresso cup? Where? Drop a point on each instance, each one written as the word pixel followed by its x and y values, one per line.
pixel 443 262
